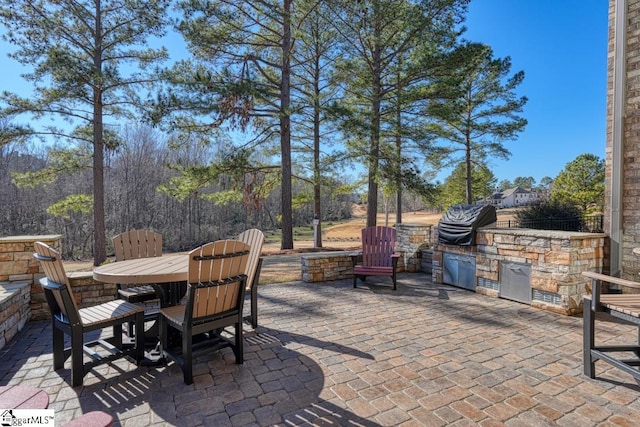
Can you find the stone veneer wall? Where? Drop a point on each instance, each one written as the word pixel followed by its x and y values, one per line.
pixel 326 266
pixel 557 259
pixel 16 256
pixel 17 265
pixel 414 241
pixel 630 191
pixel 14 308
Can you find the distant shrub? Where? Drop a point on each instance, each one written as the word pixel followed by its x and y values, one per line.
pixel 553 215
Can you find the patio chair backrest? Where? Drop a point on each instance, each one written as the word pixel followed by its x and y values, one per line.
pixel 56 285
pixel 255 239
pixel 216 279
pixel 378 244
pixel 136 244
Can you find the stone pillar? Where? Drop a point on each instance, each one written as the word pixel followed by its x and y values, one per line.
pixel 412 240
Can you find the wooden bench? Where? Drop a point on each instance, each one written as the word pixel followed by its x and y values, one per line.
pixel 625 307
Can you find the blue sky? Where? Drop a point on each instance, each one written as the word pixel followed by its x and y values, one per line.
pixel 561 45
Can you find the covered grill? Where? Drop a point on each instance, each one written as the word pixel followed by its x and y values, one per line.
pixel 459 223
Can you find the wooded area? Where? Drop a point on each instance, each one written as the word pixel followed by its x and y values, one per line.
pixel 132 200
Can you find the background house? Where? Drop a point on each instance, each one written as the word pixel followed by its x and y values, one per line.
pixel 513 197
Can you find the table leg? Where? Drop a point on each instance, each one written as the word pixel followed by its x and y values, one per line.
pixel 169 294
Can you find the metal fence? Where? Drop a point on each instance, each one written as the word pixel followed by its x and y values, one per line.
pixel 591 223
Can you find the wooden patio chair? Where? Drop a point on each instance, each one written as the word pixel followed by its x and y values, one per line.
pixel 68 319
pixel 255 239
pixel 215 297
pixel 378 257
pixel 622 307
pixel 136 244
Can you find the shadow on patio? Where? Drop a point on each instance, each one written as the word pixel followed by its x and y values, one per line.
pixel 328 354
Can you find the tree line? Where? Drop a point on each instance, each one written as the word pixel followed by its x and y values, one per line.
pixel 274 99
pixel 135 197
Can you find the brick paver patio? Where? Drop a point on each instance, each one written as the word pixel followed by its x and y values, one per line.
pixel 330 355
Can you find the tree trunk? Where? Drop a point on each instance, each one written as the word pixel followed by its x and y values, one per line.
pixel 374 151
pixel 285 131
pixel 398 159
pixel 468 171
pixel 317 212
pixel 99 238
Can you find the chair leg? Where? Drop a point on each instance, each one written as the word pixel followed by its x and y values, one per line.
pixel 254 306
pixel 117 335
pixel 77 355
pixel 239 347
pixel 394 265
pixel 130 328
pixel 58 348
pixel 254 295
pixel 187 355
pixel 139 341
pixel 588 340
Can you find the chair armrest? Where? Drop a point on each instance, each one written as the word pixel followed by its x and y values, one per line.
pixel 611 279
pixel 47 284
pixel 596 290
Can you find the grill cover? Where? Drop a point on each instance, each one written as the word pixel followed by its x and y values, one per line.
pixel 459 223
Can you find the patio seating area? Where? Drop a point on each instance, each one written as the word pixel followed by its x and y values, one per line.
pixel 328 354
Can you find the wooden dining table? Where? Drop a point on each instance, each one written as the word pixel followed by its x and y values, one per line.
pixel 167 274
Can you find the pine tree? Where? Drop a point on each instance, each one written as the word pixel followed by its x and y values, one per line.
pixel 380 37
pixel 89 64
pixel 479 112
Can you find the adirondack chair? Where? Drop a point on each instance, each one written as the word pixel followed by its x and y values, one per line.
pixel 378 257
pixel 77 323
pixel 215 296
pixel 255 239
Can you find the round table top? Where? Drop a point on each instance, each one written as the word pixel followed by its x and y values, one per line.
pixel 23 397
pixel 162 269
